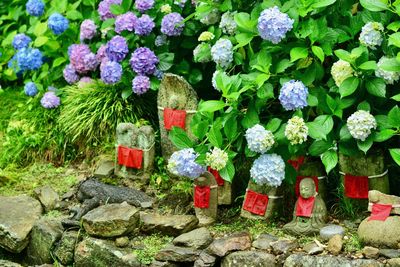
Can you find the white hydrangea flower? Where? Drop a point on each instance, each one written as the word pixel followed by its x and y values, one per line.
pixel 296 130
pixel 360 124
pixel 371 35
pixel 390 77
pixel 259 139
pixel 228 23
pixel 216 159
pixel 341 70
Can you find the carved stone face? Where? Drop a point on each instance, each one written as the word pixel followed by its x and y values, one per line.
pixel 307 188
pixel 176 101
pixel 126 134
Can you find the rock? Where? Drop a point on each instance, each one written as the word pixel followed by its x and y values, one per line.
pixel 105 169
pixel 380 233
pixel 45 233
pixel 370 252
pixel 17 217
pixel 264 241
pixel 236 241
pixel 173 225
pixel 329 231
pixel 199 238
pixel 335 244
pixel 4 263
pixel 390 253
pixel 249 258
pixel 65 249
pixel 205 260
pixel 122 242
pixel 156 263
pixel 313 248
pixel 393 262
pixel 48 197
pixel 111 220
pixel 375 196
pixel 301 260
pixel 283 246
pixel 177 254
pixel 93 252
pixel 69 194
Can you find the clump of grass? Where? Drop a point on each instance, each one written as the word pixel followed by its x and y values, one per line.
pixel 353 243
pixel 151 245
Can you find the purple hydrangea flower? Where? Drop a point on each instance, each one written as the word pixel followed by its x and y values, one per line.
pixel 70 74
pixel 104 9
pixel 35 7
pixel 273 24
pixel 57 23
pixel 110 72
pixel 50 100
pixel 117 48
pixel 21 41
pixel 144 25
pixel 82 59
pixel 101 53
pixel 183 163
pixel 293 95
pixel 88 30
pixel 29 59
pixel 30 89
pixel 143 61
pixel 86 80
pixel 144 5
pixel 160 40
pixel 140 84
pixel 125 22
pixel 171 24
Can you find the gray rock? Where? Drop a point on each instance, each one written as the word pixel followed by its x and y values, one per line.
pixel 156 263
pixel 65 249
pixel 105 169
pixel 312 248
pixel 122 242
pixel 45 233
pixel 4 263
pixel 335 244
pixel 234 242
pixel 283 246
pixel 329 231
pixel 17 217
pixel 48 197
pixel 205 260
pixel 199 238
pixel 93 252
pixel 370 252
pixel 249 258
pixel 264 241
pixel 177 254
pixel 390 253
pixel 173 225
pixel 379 233
pixel 393 262
pixel 300 260
pixel 111 220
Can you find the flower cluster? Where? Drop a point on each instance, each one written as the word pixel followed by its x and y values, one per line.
pixel 104 9
pixel 273 24
pixel 166 9
pixel 171 24
pixel 82 59
pixel 117 48
pixel 371 35
pixel 125 22
pixel 228 23
pixel 268 169
pixel 30 89
pixel 202 53
pixel 21 41
pixel 143 61
pixel 144 25
pixel 57 23
pixel 341 70
pixel 214 80
pixel 26 59
pixel 110 72
pixel 360 124
pixel 70 74
pixel 140 84
pixel 259 139
pixel 50 100
pixel 222 53
pixel 296 130
pixel 88 29
pixel 35 7
pixel 183 163
pixel 216 159
pixel 161 40
pixel 390 77
pixel 144 5
pixel 211 18
pixel 293 95
pixel 206 36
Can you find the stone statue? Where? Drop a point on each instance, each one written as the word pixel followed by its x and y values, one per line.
pixel 206 199
pixel 310 212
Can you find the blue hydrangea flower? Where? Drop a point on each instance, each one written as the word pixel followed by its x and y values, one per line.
pixel 21 41
pixel 222 53
pixel 143 61
pixel 28 59
pixel 171 24
pixel 183 163
pixel 259 139
pixel 293 95
pixel 30 89
pixel 144 25
pixel 144 5
pixel 70 74
pixel 35 7
pixel 161 40
pixel 268 169
pixel 50 100
pixel 110 72
pixel 273 24
pixel 140 84
pixel 117 48
pixel 57 23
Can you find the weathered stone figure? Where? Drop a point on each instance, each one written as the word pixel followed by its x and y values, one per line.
pixel 206 199
pixel 224 188
pixel 310 212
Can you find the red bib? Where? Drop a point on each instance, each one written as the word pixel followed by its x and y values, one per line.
pixel 296 163
pixel 298 180
pixel 202 196
pixel 305 207
pixel 129 157
pixel 173 117
pixel 380 212
pixel 255 203
pixel 356 186
pixel 217 176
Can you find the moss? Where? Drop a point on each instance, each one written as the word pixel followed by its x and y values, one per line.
pixel 150 247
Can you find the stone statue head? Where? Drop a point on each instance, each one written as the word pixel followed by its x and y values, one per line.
pixel 126 134
pixel 176 101
pixel 307 188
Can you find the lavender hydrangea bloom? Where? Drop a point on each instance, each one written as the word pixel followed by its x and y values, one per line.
pixel 143 61
pixel 117 48
pixel 140 84
pixel 104 9
pixel 110 72
pixel 70 74
pixel 57 23
pixel 222 53
pixel 82 59
pixel 183 163
pixel 35 7
pixel 125 22
pixel 273 24
pixel 144 25
pixel 21 41
pixel 88 30
pixel 144 5
pixel 29 59
pixel 268 169
pixel 293 95
pixel 161 40
pixel 30 89
pixel 50 100
pixel 101 53
pixel 171 24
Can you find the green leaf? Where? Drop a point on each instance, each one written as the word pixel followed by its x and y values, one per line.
pixel 179 138
pixel 366 145
pixel 395 153
pixel 166 61
pixel 230 128
pixel 273 125
pixel 74 15
pixel 243 39
pixel 58 61
pixel 298 53
pixel 228 172
pixel 396 97
pixel 245 23
pixel 312 100
pixel 375 5
pixel 211 105
pixel 40 28
pixel 376 87
pixel 251 118
pixel 394 26
pixel 368 65
pixel 323 3
pixel 394 117
pixel 215 137
pixel 107 23
pixel 126 4
pixel 348 86
pixel 384 135
pixel 266 91
pixel 330 160
pixel 116 9
pixel 126 93
pixel 318 147
pixel 343 55
pixel 394 39
pixel 318 52
pixel 282 65
pixel 314 131
pixel 40 41
pixel 390 64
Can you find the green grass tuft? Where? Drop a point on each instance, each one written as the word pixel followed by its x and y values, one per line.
pixel 152 244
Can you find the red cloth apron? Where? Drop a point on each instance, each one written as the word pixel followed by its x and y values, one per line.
pixel 296 163
pixel 356 186
pixel 305 206
pixel 217 176
pixel 298 180
pixel 202 196
pixel 380 212
pixel 255 203
pixel 130 157
pixel 173 117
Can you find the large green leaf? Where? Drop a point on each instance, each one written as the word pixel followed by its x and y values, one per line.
pixel 375 5
pixel 395 153
pixel 179 138
pixel 348 86
pixel 228 172
pixel 376 87
pixel 394 117
pixel 298 53
pixel 330 160
pixel 211 105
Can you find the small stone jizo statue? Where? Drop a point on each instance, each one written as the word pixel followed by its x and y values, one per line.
pixel 206 199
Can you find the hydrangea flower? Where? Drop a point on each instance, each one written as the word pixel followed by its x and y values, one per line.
pixel 70 74
pixel 57 23
pixel 110 72
pixel 183 163
pixel 216 159
pixel 88 29
pixel 29 59
pixel 296 130
pixel 273 24
pixel 180 3
pixel 360 124
pixel 125 22
pixel 211 18
pixel 101 53
pixel 371 35
pixel 30 89
pixel 214 81
pixel 159 74
pixel 117 48
pixel 202 53
pixel 293 95
pixel 161 40
pixel 259 139
pixel 222 53
pixel 104 9
pixel 228 23
pixel 206 36
pixel 50 100
pixel 143 61
pixel 21 41
pixel 82 59
pixel 85 80
pixel 144 25
pixel 35 7
pixel 171 24
pixel 390 77
pixel 144 5
pixel 268 169
pixel 140 84
pixel 341 70
pixel 166 9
